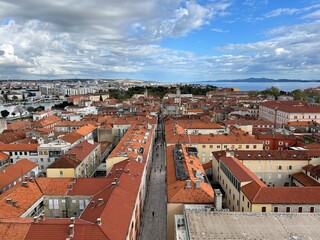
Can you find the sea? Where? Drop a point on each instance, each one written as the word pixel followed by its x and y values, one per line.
pixel 251 86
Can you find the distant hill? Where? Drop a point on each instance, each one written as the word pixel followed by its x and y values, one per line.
pixel 262 80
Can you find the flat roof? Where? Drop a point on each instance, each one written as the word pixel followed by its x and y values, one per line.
pixel 240 225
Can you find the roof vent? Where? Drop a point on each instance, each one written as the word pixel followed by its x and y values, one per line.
pixel 72 220
pixel 99 222
pixel 42 217
pixel 188 184
pixel 24 184
pixel 70 186
pixel 9 201
pixel 100 201
pixel 93 204
pixel 71 230
pixel 35 219
pixel 197 183
pixel 15 203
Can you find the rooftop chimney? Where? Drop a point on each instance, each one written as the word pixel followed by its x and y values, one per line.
pixel 99 222
pixel 197 183
pixel 188 184
pixel 42 217
pixel 35 219
pixel 15 203
pixel 24 184
pixel 93 204
pixel 70 186
pixel 72 220
pixel 128 171
pixel 9 201
pixel 71 230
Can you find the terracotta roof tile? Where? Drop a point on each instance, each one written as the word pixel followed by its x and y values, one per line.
pixel 14 171
pixel 25 197
pixel 53 186
pixel 18 147
pixel 305 180
pixel 177 191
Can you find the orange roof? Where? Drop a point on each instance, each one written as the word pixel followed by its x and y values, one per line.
pixel 83 149
pixel 14 171
pixel 14 229
pixel 46 121
pixel 85 130
pixel 177 191
pixel 53 229
pixel 53 186
pixel 71 137
pixel 3 156
pixel 25 197
pixel 305 180
pixel 18 125
pixel 18 147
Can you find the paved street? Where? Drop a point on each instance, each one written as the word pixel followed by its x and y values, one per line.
pixel 154 219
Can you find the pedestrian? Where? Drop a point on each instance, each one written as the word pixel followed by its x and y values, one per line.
pixel 160 169
pixel 153 214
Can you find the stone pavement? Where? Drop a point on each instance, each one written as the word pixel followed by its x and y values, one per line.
pixel 154 219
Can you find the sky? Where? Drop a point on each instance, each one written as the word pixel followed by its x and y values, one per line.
pixel 160 40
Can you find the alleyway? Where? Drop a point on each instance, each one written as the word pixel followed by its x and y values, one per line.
pixel 154 218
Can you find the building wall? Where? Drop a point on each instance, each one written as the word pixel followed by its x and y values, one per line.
pixel 172 209
pixel 269 170
pixel 205 150
pixel 111 161
pixel 64 206
pixel 60 172
pixel 231 189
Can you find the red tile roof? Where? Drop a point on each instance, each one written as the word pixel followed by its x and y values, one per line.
pixel 305 180
pixel 18 147
pixel 25 197
pixel 46 121
pixel 83 149
pixel 291 106
pixel 53 186
pixel 13 171
pixel 72 137
pixel 177 191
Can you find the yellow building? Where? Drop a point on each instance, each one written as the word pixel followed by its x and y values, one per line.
pixel 208 143
pixel 80 161
pixel 245 192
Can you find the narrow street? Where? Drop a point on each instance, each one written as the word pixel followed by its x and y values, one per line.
pixel 154 219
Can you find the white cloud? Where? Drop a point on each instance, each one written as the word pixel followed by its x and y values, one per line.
pixel 281 11
pixel 219 30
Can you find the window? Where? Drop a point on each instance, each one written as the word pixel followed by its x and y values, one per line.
pixel 81 204
pixel 280 143
pixel 225 146
pixel 300 209
pixel 54 204
pixel 311 209
pixel 218 146
pixel 247 146
pixel 242 209
pixel 279 167
pixel 254 146
pixel 211 146
pixel 289 167
pixel 242 198
pixel 275 209
pixel 263 209
pixel 203 146
pixel 248 204
pixel 60 173
pixel 267 142
pixel 287 209
pixel 267 148
pixel 279 176
pixel 233 195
